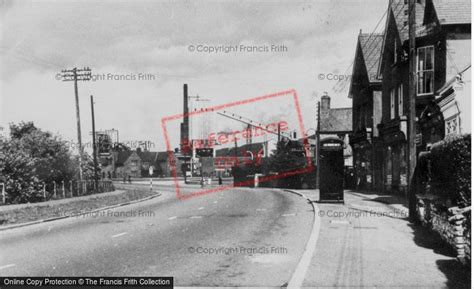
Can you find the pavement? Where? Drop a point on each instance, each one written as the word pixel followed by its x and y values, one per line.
pixel 368 242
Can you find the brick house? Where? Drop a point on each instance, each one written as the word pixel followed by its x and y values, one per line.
pixel 128 163
pixel 336 122
pixel 366 94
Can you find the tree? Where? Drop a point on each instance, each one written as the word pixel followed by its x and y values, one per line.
pixel 33 157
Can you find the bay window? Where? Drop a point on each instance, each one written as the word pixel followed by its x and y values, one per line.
pixel 425 70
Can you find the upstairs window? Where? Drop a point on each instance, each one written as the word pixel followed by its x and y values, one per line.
pixel 425 70
pixel 400 100
pixel 392 103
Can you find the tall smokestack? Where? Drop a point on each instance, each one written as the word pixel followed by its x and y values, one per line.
pixel 185 105
pixel 185 124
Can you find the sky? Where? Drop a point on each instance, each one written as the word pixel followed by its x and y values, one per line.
pixel 142 52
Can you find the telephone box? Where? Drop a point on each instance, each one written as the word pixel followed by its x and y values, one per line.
pixel 331 172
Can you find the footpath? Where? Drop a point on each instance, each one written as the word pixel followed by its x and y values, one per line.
pixel 368 241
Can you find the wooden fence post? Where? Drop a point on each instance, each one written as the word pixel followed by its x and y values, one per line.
pixel 64 192
pixel 3 193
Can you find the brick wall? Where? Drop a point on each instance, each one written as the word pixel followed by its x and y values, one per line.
pixel 452 225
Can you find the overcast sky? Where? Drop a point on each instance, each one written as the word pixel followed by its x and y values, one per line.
pixel 126 38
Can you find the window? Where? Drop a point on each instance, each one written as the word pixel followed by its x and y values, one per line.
pixel 400 100
pixel 425 70
pixel 392 103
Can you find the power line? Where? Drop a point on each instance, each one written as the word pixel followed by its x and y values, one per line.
pixel 344 83
pixel 370 36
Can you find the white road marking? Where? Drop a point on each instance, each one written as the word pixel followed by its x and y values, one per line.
pixel 298 276
pixel 7 266
pixel 196 217
pixel 215 202
pixel 261 209
pixel 118 235
pixel 172 218
pixel 339 222
pixel 289 215
pixel 201 208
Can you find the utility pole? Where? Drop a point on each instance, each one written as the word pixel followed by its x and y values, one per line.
pixel 94 146
pixel 77 75
pixel 411 155
pixel 317 148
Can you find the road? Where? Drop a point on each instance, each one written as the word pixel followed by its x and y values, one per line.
pixel 170 237
pixel 208 241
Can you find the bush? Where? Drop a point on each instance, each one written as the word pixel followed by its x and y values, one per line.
pixel 450 170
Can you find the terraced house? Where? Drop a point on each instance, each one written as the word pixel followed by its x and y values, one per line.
pixel 380 96
pixel 366 93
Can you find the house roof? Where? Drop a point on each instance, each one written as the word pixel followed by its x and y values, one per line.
pixel 453 11
pixel 400 13
pixel 122 157
pixel 399 10
pixel 147 156
pixel 336 120
pixel 371 46
pixel 161 156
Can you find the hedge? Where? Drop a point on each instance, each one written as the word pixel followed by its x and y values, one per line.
pixel 450 170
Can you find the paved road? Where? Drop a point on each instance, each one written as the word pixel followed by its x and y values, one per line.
pixel 169 237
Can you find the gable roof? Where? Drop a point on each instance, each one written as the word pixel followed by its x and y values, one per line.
pixel 452 11
pixel 122 157
pixel 147 156
pixel 336 120
pixel 162 156
pixel 368 56
pixel 371 46
pixel 398 12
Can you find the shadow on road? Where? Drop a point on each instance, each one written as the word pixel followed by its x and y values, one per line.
pixel 457 275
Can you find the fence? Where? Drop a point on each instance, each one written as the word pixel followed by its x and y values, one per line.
pixel 64 189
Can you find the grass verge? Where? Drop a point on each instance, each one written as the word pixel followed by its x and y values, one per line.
pixel 54 209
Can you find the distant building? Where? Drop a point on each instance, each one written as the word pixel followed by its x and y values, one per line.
pixel 336 122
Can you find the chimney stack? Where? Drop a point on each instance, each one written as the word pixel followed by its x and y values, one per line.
pixel 185 123
pixel 325 102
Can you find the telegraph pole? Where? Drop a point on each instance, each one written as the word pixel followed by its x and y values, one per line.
pixel 94 146
pixel 411 155
pixel 317 144
pixel 77 75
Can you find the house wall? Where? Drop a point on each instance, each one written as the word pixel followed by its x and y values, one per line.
pixel 131 167
pixel 458 58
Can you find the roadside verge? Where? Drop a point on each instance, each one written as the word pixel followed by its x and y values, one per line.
pixel 29 214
